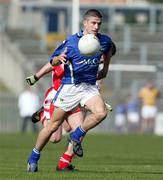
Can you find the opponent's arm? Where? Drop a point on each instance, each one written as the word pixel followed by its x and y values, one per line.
pixel 58 57
pixel 31 80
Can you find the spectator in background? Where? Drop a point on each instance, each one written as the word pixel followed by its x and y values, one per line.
pixel 133 118
pixel 120 117
pixel 148 95
pixel 28 103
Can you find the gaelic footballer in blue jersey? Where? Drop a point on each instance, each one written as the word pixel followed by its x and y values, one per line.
pixel 78 86
pixel 80 68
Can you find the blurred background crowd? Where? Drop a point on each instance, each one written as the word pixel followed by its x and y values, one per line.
pixel 31 29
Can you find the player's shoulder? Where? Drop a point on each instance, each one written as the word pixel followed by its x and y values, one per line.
pixel 105 42
pixel 71 40
pixel 104 37
pixel 156 89
pixel 71 37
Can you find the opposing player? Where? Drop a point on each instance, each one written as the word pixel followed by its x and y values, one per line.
pixel 78 86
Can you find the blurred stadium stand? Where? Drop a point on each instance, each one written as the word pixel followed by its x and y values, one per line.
pixel 26 43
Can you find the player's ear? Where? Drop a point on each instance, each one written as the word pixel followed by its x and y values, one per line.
pixel 84 22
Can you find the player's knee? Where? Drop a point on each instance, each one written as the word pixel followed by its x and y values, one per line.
pixel 101 115
pixel 55 139
pixel 67 129
pixel 53 126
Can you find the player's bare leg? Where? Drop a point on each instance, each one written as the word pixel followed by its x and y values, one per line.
pixel 56 136
pixel 98 111
pixel 52 126
pixel 43 138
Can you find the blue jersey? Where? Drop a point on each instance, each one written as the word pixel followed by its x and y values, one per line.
pixel 120 109
pixel 79 68
pixel 133 106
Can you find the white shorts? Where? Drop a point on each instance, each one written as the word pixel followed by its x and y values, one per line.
pixel 149 111
pixel 133 117
pixel 120 120
pixel 70 95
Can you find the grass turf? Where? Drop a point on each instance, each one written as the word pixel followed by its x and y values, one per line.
pixel 114 157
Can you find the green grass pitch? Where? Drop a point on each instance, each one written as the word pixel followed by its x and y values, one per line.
pixel 106 156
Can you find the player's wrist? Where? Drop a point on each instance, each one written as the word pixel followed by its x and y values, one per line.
pixel 35 77
pixel 31 80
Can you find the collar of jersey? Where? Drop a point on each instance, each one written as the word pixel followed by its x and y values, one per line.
pixel 80 34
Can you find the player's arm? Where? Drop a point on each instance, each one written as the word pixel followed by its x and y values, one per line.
pixel 61 58
pixel 106 61
pixel 58 57
pixel 47 68
pixel 31 80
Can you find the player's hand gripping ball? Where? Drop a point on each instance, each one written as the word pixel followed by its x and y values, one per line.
pixel 89 45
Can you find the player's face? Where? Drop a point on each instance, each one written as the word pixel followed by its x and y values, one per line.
pixel 92 25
